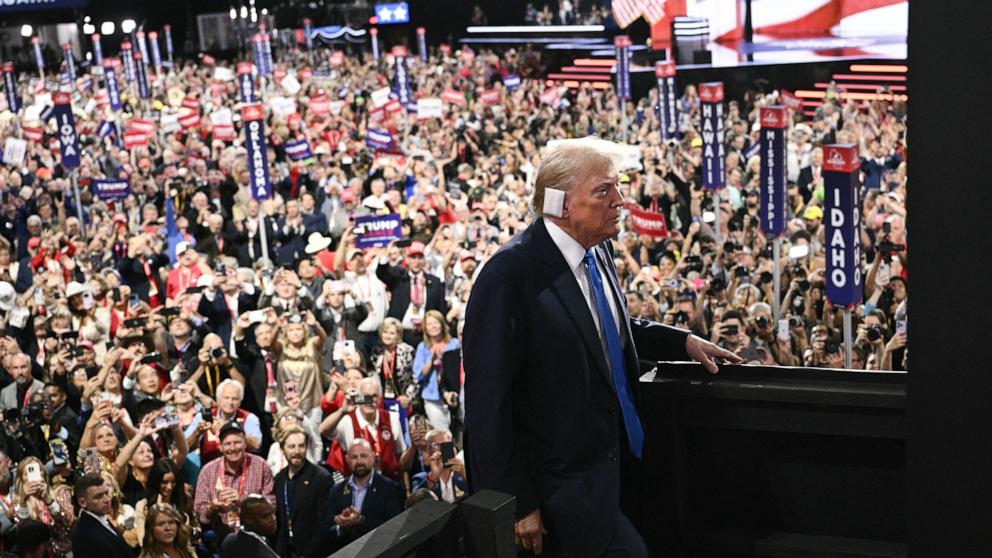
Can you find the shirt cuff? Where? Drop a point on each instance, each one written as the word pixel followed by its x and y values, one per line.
pixel 128 383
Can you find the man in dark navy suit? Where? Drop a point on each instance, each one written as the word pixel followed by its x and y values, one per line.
pixel 551 367
pixel 93 534
pixel 363 501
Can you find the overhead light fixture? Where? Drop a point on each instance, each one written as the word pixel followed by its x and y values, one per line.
pixel 244 12
pixel 86 19
pixel 89 29
pixel 234 14
pixel 265 11
pixel 26 30
pixel 107 28
pixel 127 26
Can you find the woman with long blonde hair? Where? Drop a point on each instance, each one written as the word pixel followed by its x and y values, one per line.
pixel 166 534
pixel 35 499
pixel 299 361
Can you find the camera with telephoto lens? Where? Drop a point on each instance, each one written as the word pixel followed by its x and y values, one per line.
pixel 217 352
pixel 762 322
pixel 34 414
pixel 717 284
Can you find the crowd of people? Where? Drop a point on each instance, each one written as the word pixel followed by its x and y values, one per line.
pixel 189 363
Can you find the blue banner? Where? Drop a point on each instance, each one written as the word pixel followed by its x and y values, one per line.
pixel 422 43
pixel 39 58
pixel 259 51
pixel 374 37
pixel 113 91
pixel 38 5
pixel 714 152
pixel 401 81
pixel 668 115
pixel 372 231
pixel 168 42
pixel 267 52
pixel 110 190
pixel 143 90
pixel 10 87
pixel 842 222
pixel 97 49
pixel 298 150
pixel 392 13
pixel 511 82
pixel 622 46
pixel 127 59
pixel 68 137
pixel 772 209
pixel 70 63
pixel 258 162
pixel 246 83
pixel 379 139
pixel 308 33
pixel 156 54
pixel 142 45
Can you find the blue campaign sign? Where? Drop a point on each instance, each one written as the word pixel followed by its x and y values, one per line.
pixel 68 137
pixel 108 190
pixel 714 152
pixel 842 222
pixel 379 139
pixel 10 87
pixel 511 82
pixel 298 150
pixel 372 231
pixel 772 206
pixel 394 12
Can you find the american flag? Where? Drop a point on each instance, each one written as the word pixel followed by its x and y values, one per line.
pixel 652 10
pixel 626 12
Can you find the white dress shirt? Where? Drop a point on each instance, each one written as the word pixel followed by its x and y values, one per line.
pixel 575 255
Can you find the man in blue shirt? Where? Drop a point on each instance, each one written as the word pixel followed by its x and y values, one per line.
pixel 364 500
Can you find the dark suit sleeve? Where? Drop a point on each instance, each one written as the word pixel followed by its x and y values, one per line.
pixel 657 342
pixel 318 543
pixel 389 275
pixel 493 328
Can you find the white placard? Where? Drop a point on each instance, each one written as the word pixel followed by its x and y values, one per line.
pixel 380 97
pixel 282 106
pixel 430 108
pixel 223 74
pixel 221 117
pixel 291 84
pixel 14 151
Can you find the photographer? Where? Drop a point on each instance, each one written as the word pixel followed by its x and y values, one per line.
pixel 224 299
pixel 212 365
pixel 729 333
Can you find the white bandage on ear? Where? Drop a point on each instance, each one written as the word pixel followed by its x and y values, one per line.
pixel 554 202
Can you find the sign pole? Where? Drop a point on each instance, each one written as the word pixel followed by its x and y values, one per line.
pixel 847 338
pixel 79 202
pixel 777 271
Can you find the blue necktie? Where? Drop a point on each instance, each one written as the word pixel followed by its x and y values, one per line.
pixel 614 350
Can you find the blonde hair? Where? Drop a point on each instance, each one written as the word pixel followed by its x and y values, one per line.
pixel 445 332
pixel 566 162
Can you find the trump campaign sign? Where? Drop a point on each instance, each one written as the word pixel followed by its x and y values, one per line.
pixel 714 154
pixel 372 231
pixel 258 163
pixel 108 190
pixel 647 222
pixel 772 206
pixel 842 221
pixel 110 80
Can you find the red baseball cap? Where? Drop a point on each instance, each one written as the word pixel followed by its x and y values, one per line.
pixel 415 248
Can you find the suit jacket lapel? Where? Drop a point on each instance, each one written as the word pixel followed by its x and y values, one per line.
pixel 564 284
